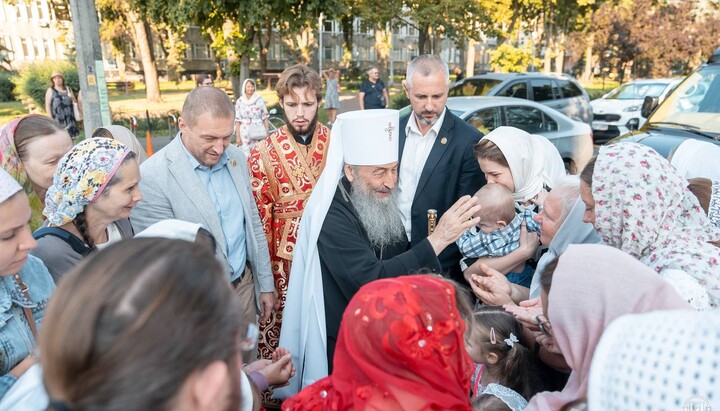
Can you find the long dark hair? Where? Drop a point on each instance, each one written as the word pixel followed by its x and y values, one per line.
pixel 129 325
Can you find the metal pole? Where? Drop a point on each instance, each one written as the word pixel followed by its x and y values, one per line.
pixel 392 61
pixel 91 71
pixel 320 42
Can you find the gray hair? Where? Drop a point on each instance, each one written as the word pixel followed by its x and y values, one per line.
pixel 204 100
pixel 370 70
pixel 567 189
pixel 426 65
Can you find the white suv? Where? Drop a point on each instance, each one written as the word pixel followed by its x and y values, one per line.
pixel 618 112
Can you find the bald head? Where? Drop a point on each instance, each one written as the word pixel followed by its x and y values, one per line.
pixel 497 203
pixel 207 100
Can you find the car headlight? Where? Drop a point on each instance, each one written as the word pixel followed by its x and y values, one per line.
pixel 632 108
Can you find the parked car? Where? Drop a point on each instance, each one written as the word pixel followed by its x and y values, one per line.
pixel 618 112
pixel 559 91
pixel 692 110
pixel 572 138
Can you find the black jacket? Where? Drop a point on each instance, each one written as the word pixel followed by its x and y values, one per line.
pixel 451 171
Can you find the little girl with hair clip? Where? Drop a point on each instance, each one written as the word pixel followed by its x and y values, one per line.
pixel 494 345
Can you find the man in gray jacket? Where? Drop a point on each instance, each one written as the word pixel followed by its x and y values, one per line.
pixel 199 177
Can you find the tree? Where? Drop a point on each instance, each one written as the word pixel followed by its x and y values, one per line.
pixel 509 59
pixel 455 20
pixel 123 19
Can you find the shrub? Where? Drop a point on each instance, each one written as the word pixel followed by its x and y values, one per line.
pixel 34 79
pixel 399 100
pixel 7 87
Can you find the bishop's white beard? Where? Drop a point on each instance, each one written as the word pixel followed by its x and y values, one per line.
pixel 379 217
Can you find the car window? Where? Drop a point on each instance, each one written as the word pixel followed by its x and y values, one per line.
pixel 530 119
pixel 695 103
pixel 473 87
pixel 550 124
pixel 569 89
pixel 517 90
pixel 485 120
pixel 542 89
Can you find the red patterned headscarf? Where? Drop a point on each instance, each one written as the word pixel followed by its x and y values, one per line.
pixel 400 347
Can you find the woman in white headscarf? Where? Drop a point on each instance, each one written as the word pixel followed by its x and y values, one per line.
pixel 251 117
pixel 695 158
pixel 125 136
pixel 181 230
pixel 528 165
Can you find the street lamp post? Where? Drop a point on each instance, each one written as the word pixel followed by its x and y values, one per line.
pixel 320 42
pixel 91 71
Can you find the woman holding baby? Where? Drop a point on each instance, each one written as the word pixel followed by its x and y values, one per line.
pixel 527 165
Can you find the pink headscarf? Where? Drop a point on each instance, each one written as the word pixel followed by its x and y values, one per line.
pixel 592 286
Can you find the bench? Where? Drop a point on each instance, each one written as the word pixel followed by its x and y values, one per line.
pixel 121 85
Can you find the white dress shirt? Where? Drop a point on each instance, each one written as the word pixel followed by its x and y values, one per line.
pixel 415 154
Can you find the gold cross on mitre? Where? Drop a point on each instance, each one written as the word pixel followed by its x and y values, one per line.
pixel 389 130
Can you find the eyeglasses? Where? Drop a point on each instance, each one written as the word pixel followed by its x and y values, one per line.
pixel 544 324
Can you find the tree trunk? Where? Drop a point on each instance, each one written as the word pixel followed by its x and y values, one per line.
pixel 560 54
pixel 436 42
pixel 588 72
pixel 347 28
pixel 383 41
pixel 302 44
pixel 470 58
pixel 423 39
pixel 264 43
pixel 142 38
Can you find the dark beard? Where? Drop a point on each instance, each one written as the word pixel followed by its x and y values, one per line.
pixel 295 133
pixel 380 218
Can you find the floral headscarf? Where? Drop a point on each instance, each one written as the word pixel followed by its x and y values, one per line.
pixel 11 163
pixel 81 177
pixel 643 207
pixel 401 347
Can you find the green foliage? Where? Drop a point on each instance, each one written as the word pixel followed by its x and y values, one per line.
pixel 7 87
pixel 34 79
pixel 399 101
pixel 510 59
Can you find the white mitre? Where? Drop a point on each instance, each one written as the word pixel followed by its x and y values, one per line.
pixel 369 137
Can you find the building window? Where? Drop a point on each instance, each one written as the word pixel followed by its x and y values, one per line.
pixel 329 26
pixel 201 52
pixel 40 48
pixel 328 53
pixel 412 31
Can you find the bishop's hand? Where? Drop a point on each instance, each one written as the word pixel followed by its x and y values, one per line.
pixel 456 220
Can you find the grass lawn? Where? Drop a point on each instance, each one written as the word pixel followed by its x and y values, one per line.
pixel 9 110
pixel 597 88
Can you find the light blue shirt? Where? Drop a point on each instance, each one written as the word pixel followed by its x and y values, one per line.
pixel 224 195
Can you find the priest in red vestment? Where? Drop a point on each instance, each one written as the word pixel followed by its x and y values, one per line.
pixel 284 169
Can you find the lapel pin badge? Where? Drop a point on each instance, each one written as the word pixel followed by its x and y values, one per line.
pixel 443 140
pixel 233 163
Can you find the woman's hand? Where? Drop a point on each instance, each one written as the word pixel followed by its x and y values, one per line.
pixel 526 312
pixel 491 288
pixel 280 370
pixel 529 242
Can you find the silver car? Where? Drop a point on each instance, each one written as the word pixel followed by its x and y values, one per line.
pixel 559 91
pixel 572 138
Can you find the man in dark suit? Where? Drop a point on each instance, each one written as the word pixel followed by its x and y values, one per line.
pixel 437 165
